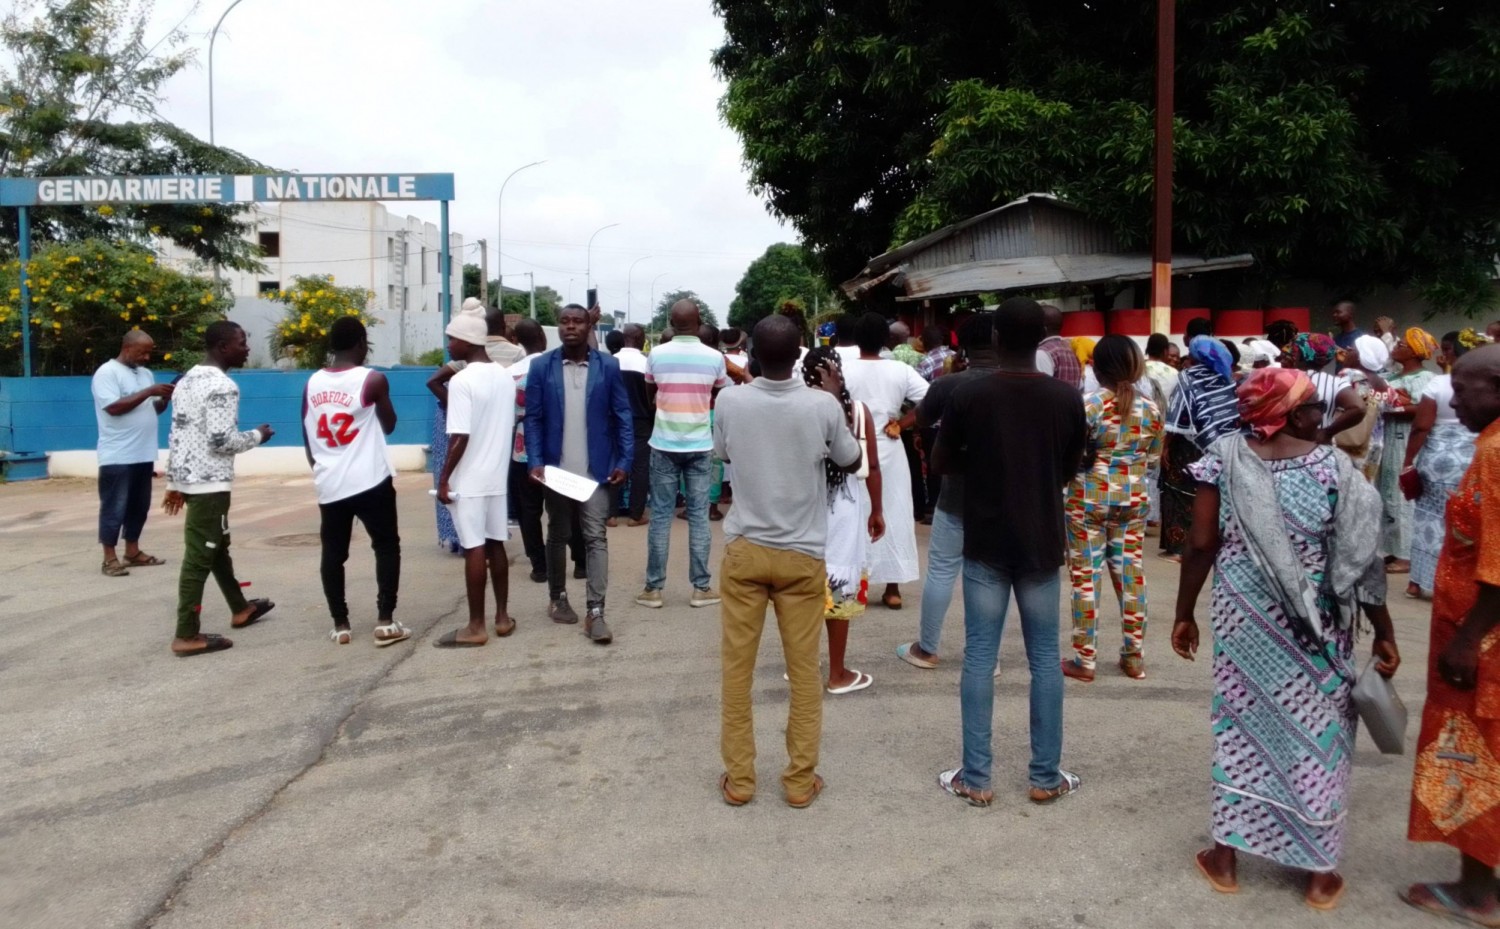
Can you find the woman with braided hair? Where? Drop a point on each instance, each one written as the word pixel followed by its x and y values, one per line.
pixel 850 530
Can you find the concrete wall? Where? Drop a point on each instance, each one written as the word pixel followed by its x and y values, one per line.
pixel 360 245
pixel 56 415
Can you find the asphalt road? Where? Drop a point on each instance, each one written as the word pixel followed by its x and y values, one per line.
pixel 545 781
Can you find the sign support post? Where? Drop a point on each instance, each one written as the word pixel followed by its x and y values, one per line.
pixel 23 216
pixel 445 262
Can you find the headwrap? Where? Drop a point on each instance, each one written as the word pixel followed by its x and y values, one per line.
pixel 1470 338
pixel 1262 350
pixel 1269 395
pixel 1211 353
pixel 1314 348
pixel 1373 355
pixel 468 324
pixel 471 304
pixel 1083 347
pixel 1422 344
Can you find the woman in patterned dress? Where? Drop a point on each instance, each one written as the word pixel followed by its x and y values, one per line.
pixel 855 522
pixel 1438 453
pixel 438 384
pixel 1107 505
pixel 1201 411
pixel 1400 409
pixel 1282 612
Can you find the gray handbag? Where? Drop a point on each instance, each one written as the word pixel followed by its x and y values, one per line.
pixel 1382 710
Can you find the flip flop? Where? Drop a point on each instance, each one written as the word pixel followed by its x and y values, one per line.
pixel 213 643
pixel 451 640
pixel 394 632
pixel 143 560
pixel 891 601
pixel 802 803
pixel 860 682
pixel 1332 903
pixel 1213 882
pixel 730 797
pixel 261 608
pixel 904 652
pixel 1442 903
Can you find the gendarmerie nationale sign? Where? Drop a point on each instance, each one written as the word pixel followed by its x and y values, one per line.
pixel 222 188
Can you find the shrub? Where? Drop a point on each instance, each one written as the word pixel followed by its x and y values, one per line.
pixel 312 304
pixel 86 295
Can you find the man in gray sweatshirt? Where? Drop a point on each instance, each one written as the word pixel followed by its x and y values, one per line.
pixel 200 474
pixel 778 432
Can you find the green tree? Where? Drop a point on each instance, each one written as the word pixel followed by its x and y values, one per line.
pixel 312 304
pixel 547 302
pixel 471 283
pixel 78 96
pixel 87 294
pixel 1341 143
pixel 660 321
pixel 781 274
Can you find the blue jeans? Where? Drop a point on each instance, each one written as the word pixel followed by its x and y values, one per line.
pixel 694 470
pixel 987 593
pixel 945 559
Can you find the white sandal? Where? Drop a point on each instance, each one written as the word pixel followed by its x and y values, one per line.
pixel 341 636
pixel 390 634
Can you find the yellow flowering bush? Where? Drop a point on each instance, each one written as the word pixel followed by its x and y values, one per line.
pixel 312 304
pixel 86 295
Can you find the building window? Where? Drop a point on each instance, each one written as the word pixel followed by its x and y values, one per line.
pixel 390 297
pixel 270 243
pixel 269 287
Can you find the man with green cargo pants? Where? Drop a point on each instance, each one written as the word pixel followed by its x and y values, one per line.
pixel 200 474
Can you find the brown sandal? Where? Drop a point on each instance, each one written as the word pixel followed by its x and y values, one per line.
pixel 730 797
pixel 143 560
pixel 114 568
pixel 891 601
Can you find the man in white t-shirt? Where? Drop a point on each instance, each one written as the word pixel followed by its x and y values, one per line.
pixel 346 415
pixel 481 427
pixel 127 401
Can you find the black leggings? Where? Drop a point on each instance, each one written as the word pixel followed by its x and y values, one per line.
pixel 376 509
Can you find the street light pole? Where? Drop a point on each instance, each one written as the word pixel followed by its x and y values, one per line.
pixel 628 276
pixel 211 39
pixel 499 238
pixel 588 267
pixel 653 294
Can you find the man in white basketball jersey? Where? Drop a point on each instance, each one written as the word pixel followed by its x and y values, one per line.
pixel 346 415
pixel 481 426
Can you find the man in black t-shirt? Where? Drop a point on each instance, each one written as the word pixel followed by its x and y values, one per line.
pixel 1017 437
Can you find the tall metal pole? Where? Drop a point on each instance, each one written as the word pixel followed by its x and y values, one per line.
pixel 484 276
pixel 23 232
pixel 499 235
pixel 588 267
pixel 212 37
pixel 445 262
pixel 531 279
pixel 653 295
pixel 1161 246
pixel 628 276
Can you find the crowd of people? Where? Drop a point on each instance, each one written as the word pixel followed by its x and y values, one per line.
pixel 1297 469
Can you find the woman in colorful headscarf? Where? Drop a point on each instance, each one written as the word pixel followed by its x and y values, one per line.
pixel 1288 527
pixel 1438 452
pixel 1083 347
pixel 1400 409
pixel 1202 410
pixel 1342 409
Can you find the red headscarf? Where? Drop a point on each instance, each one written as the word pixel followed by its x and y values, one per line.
pixel 1269 395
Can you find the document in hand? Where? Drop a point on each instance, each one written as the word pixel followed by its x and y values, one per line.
pixel 568 484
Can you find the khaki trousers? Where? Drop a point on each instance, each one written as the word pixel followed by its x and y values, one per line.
pixel 795 584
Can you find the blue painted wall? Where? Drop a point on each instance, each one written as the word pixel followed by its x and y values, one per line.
pixel 56 414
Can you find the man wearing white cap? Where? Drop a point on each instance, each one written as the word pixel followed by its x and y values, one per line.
pixel 481 422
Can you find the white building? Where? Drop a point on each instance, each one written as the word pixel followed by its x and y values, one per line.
pixel 360 245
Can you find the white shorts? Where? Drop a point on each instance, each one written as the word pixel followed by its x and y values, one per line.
pixel 479 518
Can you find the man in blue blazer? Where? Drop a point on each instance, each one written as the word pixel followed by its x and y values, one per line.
pixel 578 419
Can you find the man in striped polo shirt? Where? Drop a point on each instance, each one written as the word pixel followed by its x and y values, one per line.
pixel 682 377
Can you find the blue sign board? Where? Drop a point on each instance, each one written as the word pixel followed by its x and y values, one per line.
pixel 222 188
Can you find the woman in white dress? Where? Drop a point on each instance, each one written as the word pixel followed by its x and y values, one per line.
pixel 884 386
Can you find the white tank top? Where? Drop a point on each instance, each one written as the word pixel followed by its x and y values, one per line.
pixel 348 446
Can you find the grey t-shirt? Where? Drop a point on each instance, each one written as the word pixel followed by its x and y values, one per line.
pixel 778 435
pixel 575 447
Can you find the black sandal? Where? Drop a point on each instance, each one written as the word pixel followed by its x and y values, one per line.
pixel 212 643
pixel 451 640
pixel 261 608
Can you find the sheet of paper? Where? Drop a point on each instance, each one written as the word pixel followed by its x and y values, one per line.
pixel 569 484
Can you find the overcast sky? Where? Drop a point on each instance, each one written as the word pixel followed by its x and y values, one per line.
pixel 618 98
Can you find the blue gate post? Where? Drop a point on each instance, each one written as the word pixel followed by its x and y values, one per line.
pixel 24 234
pixel 446 263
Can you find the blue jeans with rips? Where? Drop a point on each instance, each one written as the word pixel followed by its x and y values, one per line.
pixel 693 468
pixel 987 592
